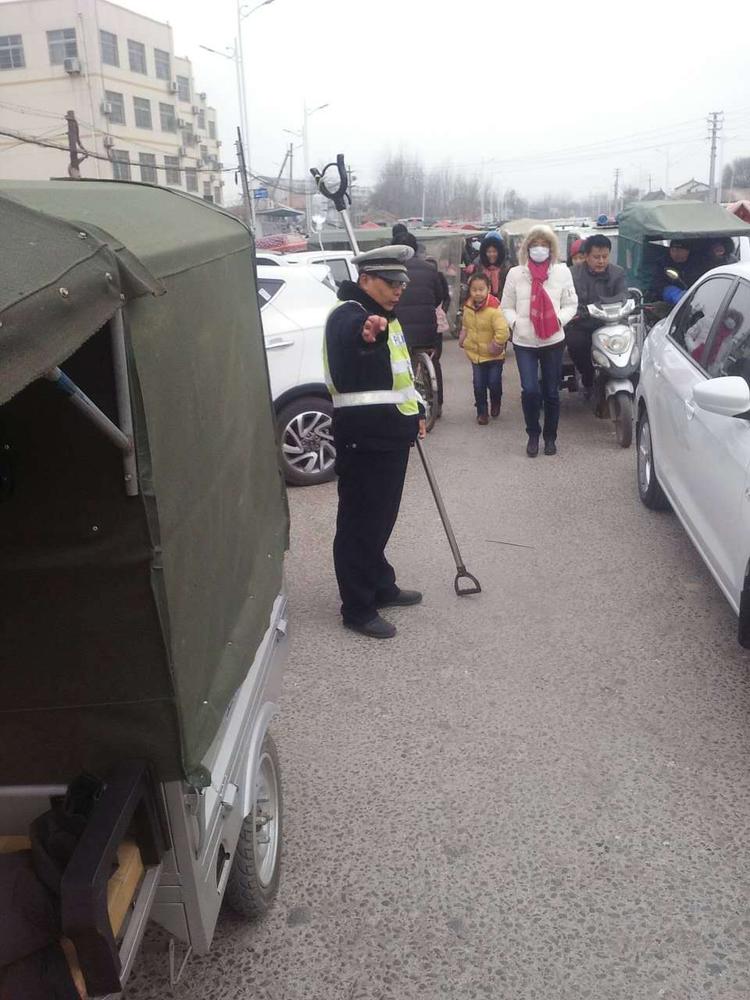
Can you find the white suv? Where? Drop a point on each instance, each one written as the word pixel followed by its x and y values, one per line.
pixel 294 306
pixel 693 426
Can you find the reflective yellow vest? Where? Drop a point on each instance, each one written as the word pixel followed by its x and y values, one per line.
pixel 402 394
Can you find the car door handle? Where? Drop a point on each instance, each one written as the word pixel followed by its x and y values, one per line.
pixel 279 342
pixel 690 410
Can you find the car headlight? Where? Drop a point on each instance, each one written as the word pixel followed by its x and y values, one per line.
pixel 616 342
pixel 600 358
pixel 635 355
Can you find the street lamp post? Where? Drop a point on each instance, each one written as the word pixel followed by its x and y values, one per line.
pixel 306 156
pixel 236 54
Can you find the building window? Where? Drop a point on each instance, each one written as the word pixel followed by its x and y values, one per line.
pixel 117 103
pixel 172 163
pixel 183 88
pixel 202 120
pixel 168 118
pixel 204 154
pixel 110 52
pixel 191 178
pixel 207 192
pixel 137 56
pixel 188 139
pixel 211 129
pixel 148 168
pixel 217 195
pixel 120 165
pixel 11 52
pixel 162 63
pixel 62 45
pixel 142 108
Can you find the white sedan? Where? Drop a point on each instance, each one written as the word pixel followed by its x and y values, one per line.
pixel 294 306
pixel 693 426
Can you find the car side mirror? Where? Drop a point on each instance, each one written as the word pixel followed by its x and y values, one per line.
pixel 729 396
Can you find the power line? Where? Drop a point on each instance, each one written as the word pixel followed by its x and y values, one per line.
pixel 47 144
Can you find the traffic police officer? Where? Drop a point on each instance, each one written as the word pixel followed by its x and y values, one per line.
pixel 377 417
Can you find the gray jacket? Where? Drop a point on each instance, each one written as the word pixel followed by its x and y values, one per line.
pixel 594 289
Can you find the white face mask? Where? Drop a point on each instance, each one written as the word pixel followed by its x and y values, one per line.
pixel 539 254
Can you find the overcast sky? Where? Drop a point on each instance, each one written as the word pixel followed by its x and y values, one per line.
pixel 524 85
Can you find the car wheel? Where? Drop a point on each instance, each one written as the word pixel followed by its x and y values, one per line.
pixel 306 440
pixel 649 489
pixel 254 878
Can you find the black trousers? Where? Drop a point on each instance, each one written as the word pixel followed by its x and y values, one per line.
pixel 370 488
pixel 579 348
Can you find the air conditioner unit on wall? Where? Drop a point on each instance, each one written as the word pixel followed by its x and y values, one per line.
pixel 195 109
pixel 106 107
pixel 202 95
pixel 172 87
pixel 109 141
pixel 72 65
pixel 182 123
pixel 182 151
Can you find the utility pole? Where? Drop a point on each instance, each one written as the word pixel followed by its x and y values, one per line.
pixel 246 195
pixel 291 173
pixel 74 147
pixel 617 189
pixel 649 183
pixel 715 124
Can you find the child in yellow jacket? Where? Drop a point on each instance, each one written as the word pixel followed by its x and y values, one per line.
pixel 484 335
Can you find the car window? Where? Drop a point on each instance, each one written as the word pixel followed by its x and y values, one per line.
pixel 268 288
pixel 695 319
pixel 339 269
pixel 729 350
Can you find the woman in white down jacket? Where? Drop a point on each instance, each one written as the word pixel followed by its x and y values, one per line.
pixel 538 300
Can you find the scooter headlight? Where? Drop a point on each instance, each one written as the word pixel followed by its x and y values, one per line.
pixel 600 358
pixel 617 343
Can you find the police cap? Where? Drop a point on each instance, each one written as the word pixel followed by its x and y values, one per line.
pixel 385 262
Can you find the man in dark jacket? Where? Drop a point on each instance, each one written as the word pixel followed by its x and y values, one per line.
pixel 416 309
pixel 596 281
pixel 377 417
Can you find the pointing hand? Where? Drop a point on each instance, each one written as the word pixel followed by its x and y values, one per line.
pixel 374 325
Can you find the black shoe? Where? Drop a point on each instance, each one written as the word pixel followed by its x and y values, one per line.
pixel 376 628
pixel 550 448
pixel 495 410
pixel 532 448
pixel 403 599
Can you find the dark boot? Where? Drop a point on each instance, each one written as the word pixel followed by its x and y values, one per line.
pixel 532 448
pixel 550 448
pixel 376 628
pixel 495 408
pixel 483 419
pixel 403 599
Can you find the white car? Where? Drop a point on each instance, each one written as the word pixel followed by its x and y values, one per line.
pixel 339 263
pixel 294 306
pixel 693 426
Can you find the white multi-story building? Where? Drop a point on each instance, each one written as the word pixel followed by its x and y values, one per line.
pixel 139 114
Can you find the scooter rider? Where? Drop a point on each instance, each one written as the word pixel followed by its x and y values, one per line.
pixel 687 258
pixel 596 281
pixel 377 417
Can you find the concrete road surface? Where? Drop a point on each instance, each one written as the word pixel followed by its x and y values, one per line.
pixel 541 792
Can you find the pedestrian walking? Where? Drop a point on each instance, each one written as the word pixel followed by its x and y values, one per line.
pixel 377 417
pixel 538 300
pixel 484 334
pixel 416 310
pixel 491 263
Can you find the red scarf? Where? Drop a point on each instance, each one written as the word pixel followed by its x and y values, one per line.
pixel 543 316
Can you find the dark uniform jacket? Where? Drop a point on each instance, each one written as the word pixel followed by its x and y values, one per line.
pixel 420 298
pixel 356 366
pixel 595 289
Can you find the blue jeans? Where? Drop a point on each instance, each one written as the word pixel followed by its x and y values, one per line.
pixel 529 361
pixel 487 375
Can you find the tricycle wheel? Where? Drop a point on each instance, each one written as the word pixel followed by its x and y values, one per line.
pixel 254 879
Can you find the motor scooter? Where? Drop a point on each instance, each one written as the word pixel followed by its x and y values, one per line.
pixel 616 355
